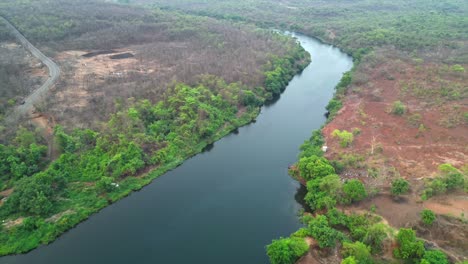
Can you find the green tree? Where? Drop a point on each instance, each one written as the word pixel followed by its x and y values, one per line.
pixel 322 232
pixel 105 184
pixel 358 250
pixel 428 217
pixel 399 186
pixel 286 250
pixel 315 167
pixel 374 237
pixel 346 137
pixel 354 191
pixel 409 247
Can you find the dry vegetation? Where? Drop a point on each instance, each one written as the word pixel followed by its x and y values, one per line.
pixel 167 47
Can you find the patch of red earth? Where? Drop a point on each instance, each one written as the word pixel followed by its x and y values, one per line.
pixel 388 140
pixel 415 153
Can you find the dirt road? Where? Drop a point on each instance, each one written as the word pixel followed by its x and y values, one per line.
pixel 54 73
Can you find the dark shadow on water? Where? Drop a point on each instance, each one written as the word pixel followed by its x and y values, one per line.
pixel 272 101
pixel 299 197
pixel 208 148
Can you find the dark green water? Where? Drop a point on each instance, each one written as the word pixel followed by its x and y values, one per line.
pixel 222 206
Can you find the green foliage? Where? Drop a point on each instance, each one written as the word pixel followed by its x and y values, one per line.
pixel 34 195
pixel 349 260
pixel 325 235
pixel 286 250
pixel 409 247
pixel 428 217
pixel 333 107
pixel 358 250
pixel 400 186
pixel 354 191
pixel 398 108
pixel 458 68
pixel 315 167
pixel 435 257
pixel 346 138
pixel 105 184
pixel 374 237
pixel 313 146
pixel 450 179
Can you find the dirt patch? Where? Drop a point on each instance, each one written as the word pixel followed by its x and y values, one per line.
pixel 403 212
pixel 56 217
pixel 451 205
pixel 6 193
pixel 12 223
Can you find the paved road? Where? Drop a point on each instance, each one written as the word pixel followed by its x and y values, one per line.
pixel 54 72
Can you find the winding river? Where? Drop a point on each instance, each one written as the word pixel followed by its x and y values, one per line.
pixel 221 206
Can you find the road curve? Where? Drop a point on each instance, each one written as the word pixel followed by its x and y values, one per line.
pixel 54 72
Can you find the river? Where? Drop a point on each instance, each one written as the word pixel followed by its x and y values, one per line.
pixel 221 206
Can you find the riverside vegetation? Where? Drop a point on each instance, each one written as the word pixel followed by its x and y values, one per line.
pixel 139 142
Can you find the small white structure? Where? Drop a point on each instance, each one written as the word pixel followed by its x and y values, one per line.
pixel 324 148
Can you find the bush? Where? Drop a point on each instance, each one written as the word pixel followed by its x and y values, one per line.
pixel 409 247
pixel 346 138
pixel 458 68
pixel 286 250
pixel 399 187
pixel 315 167
pixel 428 217
pixel 354 191
pixel 323 233
pixel 398 108
pixel 434 257
pixel 358 250
pixel 374 237
pixel 349 260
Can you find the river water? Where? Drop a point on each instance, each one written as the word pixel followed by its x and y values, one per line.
pixel 221 206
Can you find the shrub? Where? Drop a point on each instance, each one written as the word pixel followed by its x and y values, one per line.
pixel 399 186
pixel 358 250
pixel 434 257
pixel 374 237
pixel 349 260
pixel 398 108
pixel 286 250
pixel 333 107
pixel 354 191
pixel 409 246
pixel 346 138
pixel 458 68
pixel 315 167
pixel 428 217
pixel 323 233
pixel 105 184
